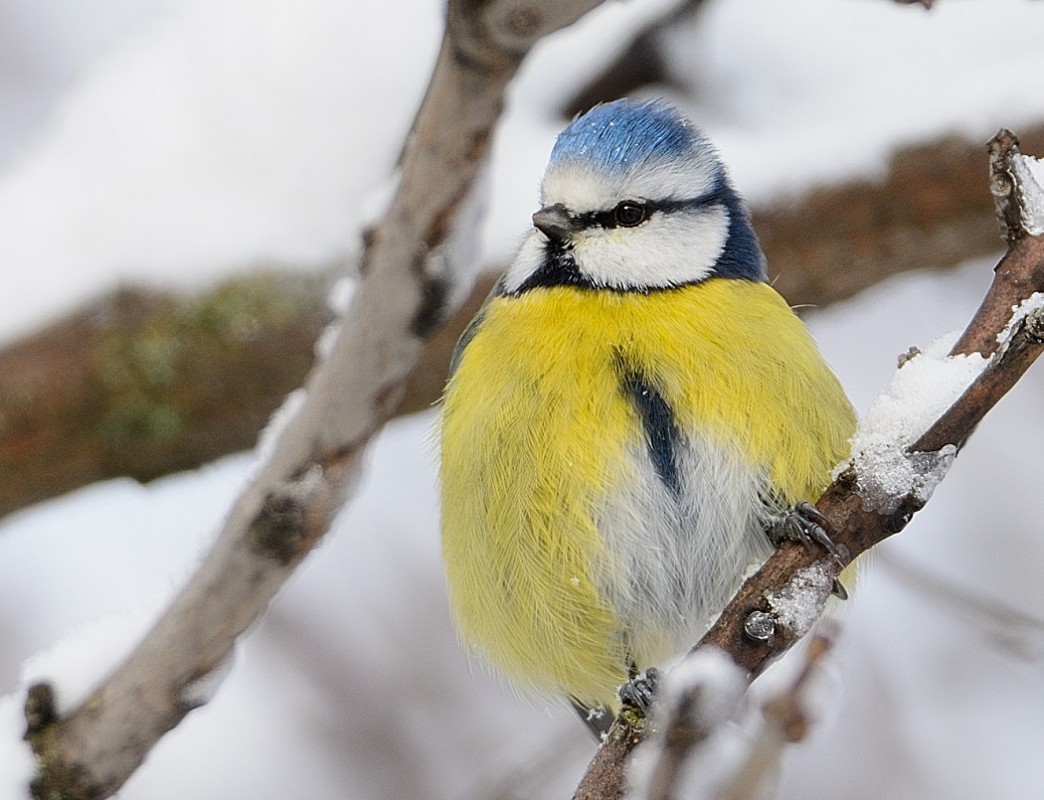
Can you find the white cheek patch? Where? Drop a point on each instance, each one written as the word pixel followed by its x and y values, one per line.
pixel 529 259
pixel 671 249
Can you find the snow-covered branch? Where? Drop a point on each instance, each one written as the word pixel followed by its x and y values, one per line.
pixel 900 454
pixel 412 270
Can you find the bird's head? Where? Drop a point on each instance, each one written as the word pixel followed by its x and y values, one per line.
pixel 635 198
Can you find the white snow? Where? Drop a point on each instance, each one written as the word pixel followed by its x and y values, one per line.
pixel 221 134
pixel 224 135
pixel 924 386
pixel 202 690
pixel 719 681
pixel 281 417
pixel 1029 311
pixel 889 75
pixel 78 662
pixel 797 605
pixel 1029 176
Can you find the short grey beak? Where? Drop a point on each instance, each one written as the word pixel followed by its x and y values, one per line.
pixel 554 222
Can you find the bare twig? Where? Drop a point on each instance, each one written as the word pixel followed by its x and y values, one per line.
pixel 1002 146
pixel 408 276
pixel 749 628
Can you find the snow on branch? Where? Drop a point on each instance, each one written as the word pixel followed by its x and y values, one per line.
pixel 901 452
pixel 413 268
pixel 1029 183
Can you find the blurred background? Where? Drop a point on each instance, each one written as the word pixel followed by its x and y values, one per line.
pixel 182 187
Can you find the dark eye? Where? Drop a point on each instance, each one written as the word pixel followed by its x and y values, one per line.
pixel 630 213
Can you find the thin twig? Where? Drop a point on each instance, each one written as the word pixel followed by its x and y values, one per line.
pixel 1002 147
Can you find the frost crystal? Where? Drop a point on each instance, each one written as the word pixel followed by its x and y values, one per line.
pixel 921 389
pixel 889 475
pixel 1029 179
pixel 797 605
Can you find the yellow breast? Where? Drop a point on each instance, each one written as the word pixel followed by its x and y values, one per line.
pixel 536 434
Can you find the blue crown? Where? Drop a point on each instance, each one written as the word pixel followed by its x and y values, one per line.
pixel 619 135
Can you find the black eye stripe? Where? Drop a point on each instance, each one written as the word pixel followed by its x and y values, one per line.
pixel 610 219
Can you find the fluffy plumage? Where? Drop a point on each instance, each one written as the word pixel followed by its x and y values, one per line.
pixel 628 411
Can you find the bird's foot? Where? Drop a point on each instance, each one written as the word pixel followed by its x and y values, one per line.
pixel 640 691
pixel 806 525
pixel 803 524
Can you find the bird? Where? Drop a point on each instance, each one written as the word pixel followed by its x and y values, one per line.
pixel 632 420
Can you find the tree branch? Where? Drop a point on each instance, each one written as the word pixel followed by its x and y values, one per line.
pixel 142 384
pixel 409 274
pixel 760 623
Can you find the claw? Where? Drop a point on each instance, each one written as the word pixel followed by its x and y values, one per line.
pixel 839 591
pixel 808 511
pixel 804 523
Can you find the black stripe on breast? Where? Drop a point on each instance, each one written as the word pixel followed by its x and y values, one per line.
pixel 661 432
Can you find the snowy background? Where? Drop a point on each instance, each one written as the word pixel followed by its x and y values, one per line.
pixel 175 141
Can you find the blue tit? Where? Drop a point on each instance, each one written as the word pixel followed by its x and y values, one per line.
pixel 631 410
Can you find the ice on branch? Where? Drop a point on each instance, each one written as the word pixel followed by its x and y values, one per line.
pixel 1029 312
pixel 924 386
pixel 1029 180
pixel 797 604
